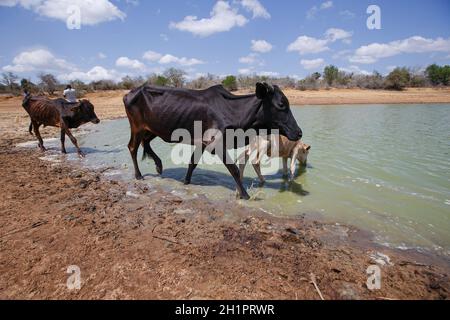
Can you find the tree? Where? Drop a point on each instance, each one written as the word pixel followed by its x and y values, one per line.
pixel 230 83
pixel 176 77
pixel 330 74
pixel 158 80
pixel 26 85
pixel 127 83
pixel 9 79
pixel 48 83
pixel 438 75
pixel 398 79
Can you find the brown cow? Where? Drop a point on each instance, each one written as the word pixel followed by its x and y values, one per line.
pixel 58 113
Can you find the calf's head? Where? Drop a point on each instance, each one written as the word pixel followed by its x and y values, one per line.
pixel 277 111
pixel 302 155
pixel 85 112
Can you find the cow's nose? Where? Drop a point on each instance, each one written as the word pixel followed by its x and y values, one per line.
pixel 97 121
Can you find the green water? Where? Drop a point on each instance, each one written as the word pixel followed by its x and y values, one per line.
pixel 383 168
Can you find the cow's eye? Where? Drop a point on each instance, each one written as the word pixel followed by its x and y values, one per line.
pixel 281 105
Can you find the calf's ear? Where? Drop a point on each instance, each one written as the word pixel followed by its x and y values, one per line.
pixel 261 91
pixel 308 147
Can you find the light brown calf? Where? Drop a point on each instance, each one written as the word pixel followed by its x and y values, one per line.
pixel 276 146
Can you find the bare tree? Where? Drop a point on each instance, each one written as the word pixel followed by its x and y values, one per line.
pixel 48 83
pixel 176 77
pixel 9 79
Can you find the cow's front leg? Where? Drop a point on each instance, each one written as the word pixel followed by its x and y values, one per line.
pixel 63 139
pixel 74 141
pixel 195 159
pixel 234 171
pixel 133 146
pixel 35 126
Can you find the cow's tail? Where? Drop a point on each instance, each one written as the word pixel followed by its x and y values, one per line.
pixel 30 128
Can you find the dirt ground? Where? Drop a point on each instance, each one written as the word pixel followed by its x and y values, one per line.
pixel 149 244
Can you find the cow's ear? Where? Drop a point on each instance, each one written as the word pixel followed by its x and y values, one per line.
pixel 76 108
pixel 261 91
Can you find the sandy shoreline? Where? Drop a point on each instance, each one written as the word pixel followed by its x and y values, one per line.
pixel 153 245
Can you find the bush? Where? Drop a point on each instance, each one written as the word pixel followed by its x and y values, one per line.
pixel 438 75
pixel 230 83
pixel 398 79
pixel 330 74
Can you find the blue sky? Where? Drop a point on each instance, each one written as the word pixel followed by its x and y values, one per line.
pixel 285 38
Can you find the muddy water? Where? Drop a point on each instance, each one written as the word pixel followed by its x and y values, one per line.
pixel 383 168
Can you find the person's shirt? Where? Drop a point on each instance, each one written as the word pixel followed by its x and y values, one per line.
pixel 70 95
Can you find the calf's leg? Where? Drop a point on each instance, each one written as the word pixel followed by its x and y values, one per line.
pixel 257 167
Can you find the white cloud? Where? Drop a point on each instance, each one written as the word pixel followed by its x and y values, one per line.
pixel 223 18
pixel 92 12
pixel 125 62
pixel 305 45
pixel 261 46
pixel 245 71
pixel 101 55
pixel 97 73
pixel 38 60
pixel 346 14
pixel 311 13
pixel 168 58
pixel 312 64
pixel 416 44
pixel 252 58
pixel 326 5
pixel 153 56
pixel 164 37
pixel 356 70
pixel 334 34
pixel 268 74
pixel 256 8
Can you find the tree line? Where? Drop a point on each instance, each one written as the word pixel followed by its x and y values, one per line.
pixel 331 77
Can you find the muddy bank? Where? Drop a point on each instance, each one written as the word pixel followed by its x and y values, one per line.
pixel 138 243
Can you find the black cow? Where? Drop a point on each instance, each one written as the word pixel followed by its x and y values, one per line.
pixel 159 111
pixel 58 113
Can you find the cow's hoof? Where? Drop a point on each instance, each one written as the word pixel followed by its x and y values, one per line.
pixel 245 196
pixel 43 149
pixel 159 170
pixel 81 154
pixel 139 177
pixel 63 151
pixel 186 182
pixel 262 183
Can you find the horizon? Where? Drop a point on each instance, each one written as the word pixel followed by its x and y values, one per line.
pixel 245 37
